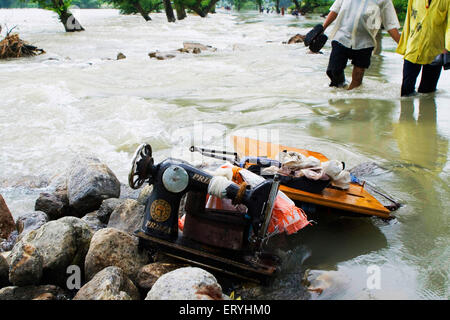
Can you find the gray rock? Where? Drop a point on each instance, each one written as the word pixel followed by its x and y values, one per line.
pixel 195 45
pixel 55 205
pixel 8 244
pixel 7 225
pixel 127 216
pixel 145 193
pixel 112 247
pixel 30 221
pixel 4 269
pixel 127 193
pixel 93 221
pixel 163 55
pixel 89 183
pixel 26 265
pixel 61 243
pixel 107 207
pixel 45 292
pixel 149 273
pixel 298 38
pixel 109 284
pixel 186 284
pixel 59 182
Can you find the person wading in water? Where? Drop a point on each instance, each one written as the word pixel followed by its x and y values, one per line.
pixel 354 36
pixel 424 44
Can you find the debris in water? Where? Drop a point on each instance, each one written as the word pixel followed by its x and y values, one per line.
pixel 14 47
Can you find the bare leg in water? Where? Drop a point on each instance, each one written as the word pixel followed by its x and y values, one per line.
pixel 357 77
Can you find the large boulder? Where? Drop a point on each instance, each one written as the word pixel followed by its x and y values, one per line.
pixel 107 207
pixel 45 292
pixel 188 283
pixel 4 269
pixel 109 284
pixel 89 183
pixel 93 221
pixel 61 243
pixel 26 265
pixel 127 216
pixel 30 221
pixel 149 273
pixel 7 225
pixel 112 247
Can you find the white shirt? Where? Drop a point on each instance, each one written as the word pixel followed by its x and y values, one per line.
pixel 359 21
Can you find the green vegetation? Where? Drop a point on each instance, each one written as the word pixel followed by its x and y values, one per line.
pixel 143 7
pixel 12 4
pixel 61 7
pixel 33 4
pixel 200 7
pixel 87 4
pixel 401 6
pixel 315 6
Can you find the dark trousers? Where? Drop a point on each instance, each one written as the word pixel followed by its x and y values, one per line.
pixel 428 82
pixel 339 58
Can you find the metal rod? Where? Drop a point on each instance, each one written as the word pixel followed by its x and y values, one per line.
pixel 269 207
pixel 205 150
pixel 217 154
pixel 374 188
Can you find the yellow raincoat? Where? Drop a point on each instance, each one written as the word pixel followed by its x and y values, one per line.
pixel 426 31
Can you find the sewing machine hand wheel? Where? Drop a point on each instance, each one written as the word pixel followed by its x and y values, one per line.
pixel 141 166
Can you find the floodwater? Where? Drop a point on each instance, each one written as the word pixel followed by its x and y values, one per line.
pixel 78 98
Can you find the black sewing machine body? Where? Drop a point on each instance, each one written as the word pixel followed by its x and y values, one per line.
pixel 219 240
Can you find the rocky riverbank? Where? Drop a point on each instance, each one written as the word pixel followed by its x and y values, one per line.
pixel 79 244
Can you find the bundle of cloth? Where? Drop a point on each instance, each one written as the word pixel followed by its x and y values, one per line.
pixel 298 165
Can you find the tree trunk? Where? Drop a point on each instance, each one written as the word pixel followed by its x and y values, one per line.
pixel 297 5
pixel 211 6
pixel 70 23
pixel 203 12
pixel 137 5
pixel 199 11
pixel 180 9
pixel 278 6
pixel 169 11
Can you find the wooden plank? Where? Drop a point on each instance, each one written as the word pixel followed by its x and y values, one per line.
pixel 355 199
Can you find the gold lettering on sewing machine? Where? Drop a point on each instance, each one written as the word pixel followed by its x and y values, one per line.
pixel 158 227
pixel 160 210
pixel 201 178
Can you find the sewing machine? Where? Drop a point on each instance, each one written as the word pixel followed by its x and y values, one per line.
pixel 230 242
